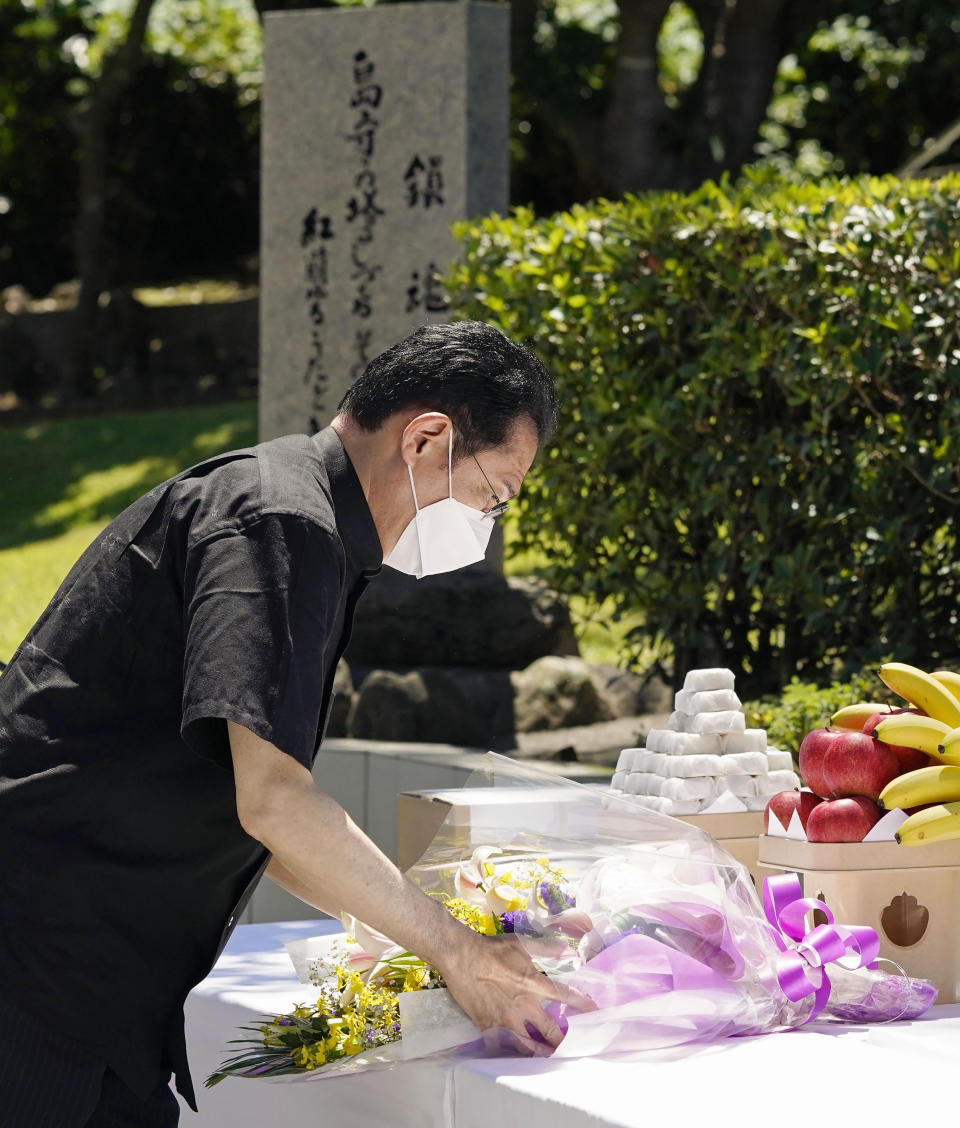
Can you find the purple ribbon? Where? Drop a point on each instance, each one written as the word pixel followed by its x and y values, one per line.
pixel 802 964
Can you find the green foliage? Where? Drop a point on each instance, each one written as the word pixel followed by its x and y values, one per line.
pixel 679 52
pixel 803 706
pixel 863 92
pixel 219 40
pixel 164 223
pixel 560 77
pixel 760 389
pixel 36 197
pixel 194 105
pixel 859 92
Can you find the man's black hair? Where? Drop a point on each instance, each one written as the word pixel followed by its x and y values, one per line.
pixel 469 371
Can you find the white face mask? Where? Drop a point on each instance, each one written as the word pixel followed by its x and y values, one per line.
pixel 443 536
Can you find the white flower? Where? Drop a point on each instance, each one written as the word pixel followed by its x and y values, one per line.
pixel 374 943
pixel 471 881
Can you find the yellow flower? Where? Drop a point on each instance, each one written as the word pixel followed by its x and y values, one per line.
pixel 505 899
pixel 472 916
pixel 487 925
pixel 415 978
pixel 309 1057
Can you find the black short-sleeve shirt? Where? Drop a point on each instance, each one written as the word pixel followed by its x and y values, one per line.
pixel 226 592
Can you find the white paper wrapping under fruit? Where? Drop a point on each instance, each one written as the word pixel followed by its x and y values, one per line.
pixel 714 678
pixel 683 767
pixel 672 742
pixel 884 830
pixel 707 724
pixel 783 781
pixel 745 763
pixel 646 783
pixel 668 806
pixel 706 701
pixel 699 795
pixel 707 754
pixel 750 740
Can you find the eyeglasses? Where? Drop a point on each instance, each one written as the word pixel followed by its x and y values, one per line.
pixel 501 507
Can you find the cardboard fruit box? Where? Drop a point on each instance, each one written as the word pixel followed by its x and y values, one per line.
pixel 909 894
pixel 479 810
pixel 482 814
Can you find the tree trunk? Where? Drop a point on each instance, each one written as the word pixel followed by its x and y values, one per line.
pixel 632 154
pixel 646 145
pixel 91 124
pixel 740 65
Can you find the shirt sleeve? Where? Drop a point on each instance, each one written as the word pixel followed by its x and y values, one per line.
pixel 259 608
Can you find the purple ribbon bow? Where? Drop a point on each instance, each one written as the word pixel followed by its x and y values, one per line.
pixel 802 965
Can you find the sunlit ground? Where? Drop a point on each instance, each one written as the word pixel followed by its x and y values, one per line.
pixel 64 480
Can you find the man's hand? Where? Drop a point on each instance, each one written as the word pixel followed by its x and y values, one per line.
pixel 324 857
pixel 497 985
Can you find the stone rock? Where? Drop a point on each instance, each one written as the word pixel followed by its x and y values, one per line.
pixel 622 689
pixel 453 706
pixel 630 694
pixel 657 695
pixel 557 692
pixel 589 744
pixel 553 708
pixel 469 618
pixel 342 701
pixel 390 706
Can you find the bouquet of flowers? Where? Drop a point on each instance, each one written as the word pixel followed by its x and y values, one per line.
pixel 647 915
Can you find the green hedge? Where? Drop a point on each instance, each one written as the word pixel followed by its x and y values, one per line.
pixel 803 706
pixel 760 388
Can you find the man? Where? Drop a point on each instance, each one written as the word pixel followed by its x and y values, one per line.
pixel 159 722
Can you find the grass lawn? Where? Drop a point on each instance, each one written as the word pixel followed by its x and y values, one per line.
pixel 62 481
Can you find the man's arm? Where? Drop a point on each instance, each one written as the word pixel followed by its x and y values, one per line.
pixel 286 880
pixel 323 856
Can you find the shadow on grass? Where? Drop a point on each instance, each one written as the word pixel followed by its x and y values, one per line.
pixel 66 472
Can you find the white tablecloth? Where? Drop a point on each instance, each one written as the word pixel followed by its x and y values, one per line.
pixel 864 1074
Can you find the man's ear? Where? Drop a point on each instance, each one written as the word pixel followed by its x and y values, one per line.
pixel 426 439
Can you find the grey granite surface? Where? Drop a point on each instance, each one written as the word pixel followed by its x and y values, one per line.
pixel 381 127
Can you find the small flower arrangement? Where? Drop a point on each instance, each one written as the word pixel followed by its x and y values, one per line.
pixel 348 1017
pixel 363 973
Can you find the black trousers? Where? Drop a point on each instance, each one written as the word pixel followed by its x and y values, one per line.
pixel 49 1081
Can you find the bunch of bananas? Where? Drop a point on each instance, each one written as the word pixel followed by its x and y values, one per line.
pixel 932 824
pixel 933 729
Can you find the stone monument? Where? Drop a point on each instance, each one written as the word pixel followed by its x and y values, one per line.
pixel 382 126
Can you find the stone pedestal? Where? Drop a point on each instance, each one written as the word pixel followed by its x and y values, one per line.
pixel 381 127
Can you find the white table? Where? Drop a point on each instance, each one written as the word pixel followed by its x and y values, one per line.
pixel 866 1074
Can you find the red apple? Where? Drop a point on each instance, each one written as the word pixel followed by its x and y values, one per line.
pixel 784 803
pixel 881 715
pixel 910 758
pixel 857 764
pixel 842 820
pixel 812 751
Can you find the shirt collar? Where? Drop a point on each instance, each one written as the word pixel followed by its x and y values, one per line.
pixel 355 524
